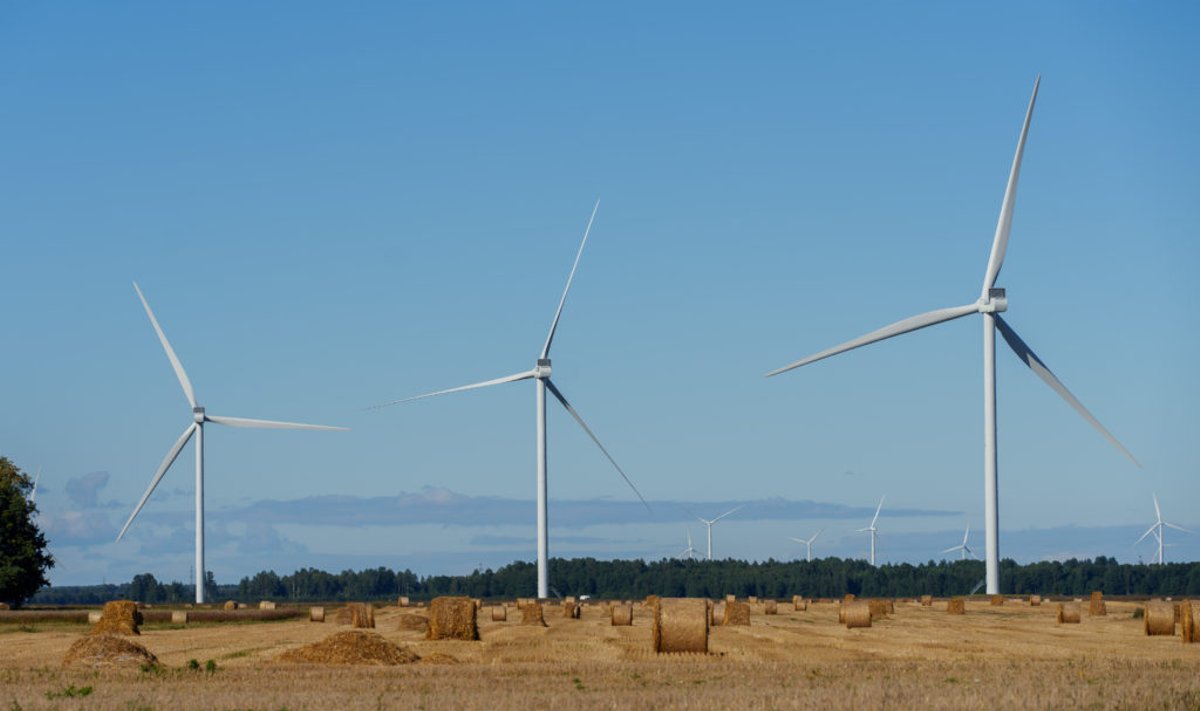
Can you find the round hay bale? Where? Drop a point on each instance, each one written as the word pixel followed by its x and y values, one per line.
pixel 478 603
pixel 857 614
pixel 753 599
pixel 1159 618
pixel 770 607
pixel 416 623
pixel 523 601
pixel 1189 631
pixel 927 601
pixel 105 651
pixel 1068 613
pixel 681 626
pixel 499 613
pixel 1097 608
pixel 118 617
pixel 362 615
pixel 570 610
pixel 622 615
pixel 402 601
pixel 800 605
pixel 651 601
pixel 956 606
pixel 532 614
pixel 1035 600
pixel 848 597
pixel 717 614
pixel 878 608
pixel 731 598
pixel 230 605
pixel 316 614
pixel 179 617
pixel 796 599
pixel 997 600
pixel 452 618
pixel 351 647
pixel 94 616
pixel 266 605
pixel 736 613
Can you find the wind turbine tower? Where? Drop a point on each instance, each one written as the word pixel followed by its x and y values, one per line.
pixel 1157 530
pixel 872 529
pixel 963 547
pixel 808 544
pixel 709 524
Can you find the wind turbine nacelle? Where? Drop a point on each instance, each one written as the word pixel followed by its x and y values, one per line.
pixel 198 415
pixel 996 302
pixel 542 370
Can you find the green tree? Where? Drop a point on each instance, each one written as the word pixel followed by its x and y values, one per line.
pixel 23 557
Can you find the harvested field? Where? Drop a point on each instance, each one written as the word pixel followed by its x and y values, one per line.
pixel 1013 656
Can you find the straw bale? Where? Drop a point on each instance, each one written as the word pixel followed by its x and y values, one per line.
pixel 478 603
pixel 731 598
pixel 570 610
pixel 622 615
pixel 94 616
pixel 316 614
pixel 848 597
pixel 351 647
pixel 927 601
pixel 956 606
pixel 997 600
pixel 878 608
pixel 1159 618
pixel 118 617
pixel 753 599
pixel 800 605
pixel 1177 606
pixel 523 601
pixel 418 623
pixel 681 625
pixel 570 598
pixel 230 605
pixel 362 615
pixel 857 614
pixel 1189 630
pixel 736 613
pixel 651 600
pixel 266 605
pixel 402 601
pixel 532 614
pixel 179 617
pixel 1069 613
pixel 452 618
pixel 770 607
pixel 796 599
pixel 499 613
pixel 716 613
pixel 105 651
pixel 1097 608
pixel 1035 600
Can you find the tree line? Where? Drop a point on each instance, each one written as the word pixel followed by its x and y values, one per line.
pixel 826 577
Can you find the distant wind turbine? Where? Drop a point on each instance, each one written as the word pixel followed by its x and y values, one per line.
pixel 540 374
pixel 1157 530
pixel 963 547
pixel 872 529
pixel 990 304
pixel 36 479
pixel 690 551
pixel 199 418
pixel 808 544
pixel 709 524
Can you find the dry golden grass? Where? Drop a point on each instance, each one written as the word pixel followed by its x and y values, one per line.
pixel 1010 656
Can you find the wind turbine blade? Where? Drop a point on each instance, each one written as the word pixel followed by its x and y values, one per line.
pixel 487 383
pixel 162 337
pixel 1042 371
pixel 1177 528
pixel 1157 510
pixel 570 278
pixel 732 510
pixel 951 550
pixel 815 536
pixel 268 424
pixel 558 394
pixel 162 469
pixel 1147 533
pixel 909 324
pixel 798 540
pixel 1004 224
pixel 877 510
pixel 36 479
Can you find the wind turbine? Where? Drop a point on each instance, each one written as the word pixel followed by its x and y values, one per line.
pixel 808 544
pixel 540 374
pixel 36 479
pixel 1157 530
pixel 990 304
pixel 963 547
pixel 196 427
pixel 709 523
pixel 872 530
pixel 690 551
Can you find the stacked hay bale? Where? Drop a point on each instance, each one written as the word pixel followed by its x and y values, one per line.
pixel 316 614
pixel 956 606
pixel 1096 606
pixel 532 614
pixel 681 625
pixel 118 617
pixel 1159 618
pixel 1035 600
pixel 105 651
pixel 770 607
pixel 622 615
pixel 499 613
pixel 362 615
pixel 1069 613
pixel 997 600
pixel 856 613
pixel 452 618
pixel 736 613
pixel 414 623
pixel 927 601
pixel 179 617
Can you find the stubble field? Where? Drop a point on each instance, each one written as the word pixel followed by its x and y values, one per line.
pixel 1011 656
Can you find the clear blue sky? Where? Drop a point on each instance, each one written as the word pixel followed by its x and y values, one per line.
pixel 330 207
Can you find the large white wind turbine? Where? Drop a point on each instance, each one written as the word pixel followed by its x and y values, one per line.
pixel 690 551
pixel 541 378
pixel 808 544
pixel 1157 530
pixel 872 529
pixel 196 427
pixel 708 523
pixel 963 547
pixel 990 304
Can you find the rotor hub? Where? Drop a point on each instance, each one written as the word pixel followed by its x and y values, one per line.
pixel 995 302
pixel 542 370
pixel 198 415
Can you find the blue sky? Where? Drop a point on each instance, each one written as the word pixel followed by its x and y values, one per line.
pixel 330 208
